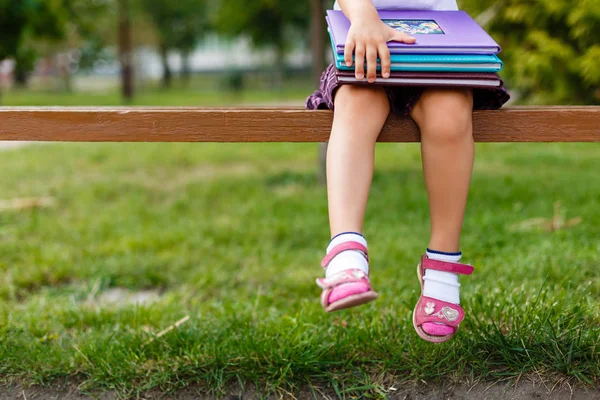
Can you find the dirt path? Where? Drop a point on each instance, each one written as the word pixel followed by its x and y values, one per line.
pixel 524 391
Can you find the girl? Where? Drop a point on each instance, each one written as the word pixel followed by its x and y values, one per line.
pixel 447 147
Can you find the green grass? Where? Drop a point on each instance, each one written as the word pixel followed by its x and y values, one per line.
pixel 155 97
pixel 232 236
pixel 203 90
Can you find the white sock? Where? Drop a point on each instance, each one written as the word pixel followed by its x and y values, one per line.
pixel 349 259
pixel 442 285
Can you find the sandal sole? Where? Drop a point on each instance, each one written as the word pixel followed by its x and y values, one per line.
pixel 352 301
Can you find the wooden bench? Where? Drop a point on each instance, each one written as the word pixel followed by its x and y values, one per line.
pixel 189 124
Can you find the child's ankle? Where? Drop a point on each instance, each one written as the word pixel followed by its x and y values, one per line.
pixel 443 255
pixel 442 285
pixel 352 259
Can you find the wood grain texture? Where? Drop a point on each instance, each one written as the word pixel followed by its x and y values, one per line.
pixel 189 124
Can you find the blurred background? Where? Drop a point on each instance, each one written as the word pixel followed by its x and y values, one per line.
pixel 106 247
pixel 212 52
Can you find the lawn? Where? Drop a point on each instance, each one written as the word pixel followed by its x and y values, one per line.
pixel 231 235
pixel 123 241
pixel 202 90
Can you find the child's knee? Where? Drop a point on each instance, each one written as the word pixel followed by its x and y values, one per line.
pixel 445 115
pixel 361 99
pixel 450 128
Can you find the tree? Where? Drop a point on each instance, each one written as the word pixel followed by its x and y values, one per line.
pixel 180 25
pixel 25 58
pixel 268 23
pixel 28 27
pixel 125 50
pixel 20 19
pixel 318 39
pixel 36 18
pixel 551 48
pixel 88 28
pixel 13 22
pixel 318 45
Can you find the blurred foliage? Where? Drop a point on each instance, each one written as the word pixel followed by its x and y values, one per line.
pixel 179 24
pixel 274 23
pixel 25 63
pixel 278 24
pixel 28 17
pixel 551 47
pixel 30 28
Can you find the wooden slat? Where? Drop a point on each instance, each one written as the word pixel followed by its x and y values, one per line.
pixel 188 124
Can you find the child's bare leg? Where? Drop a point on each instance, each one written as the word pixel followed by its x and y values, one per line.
pixel 447 147
pixel 360 112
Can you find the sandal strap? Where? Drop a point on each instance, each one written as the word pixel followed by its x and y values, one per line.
pixel 457 268
pixel 433 310
pixel 347 276
pixel 346 246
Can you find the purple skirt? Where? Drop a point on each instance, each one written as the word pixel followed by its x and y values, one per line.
pixel 402 98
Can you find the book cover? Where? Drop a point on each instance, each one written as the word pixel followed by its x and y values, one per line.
pixel 437 32
pixel 443 79
pixel 432 62
pixel 429 65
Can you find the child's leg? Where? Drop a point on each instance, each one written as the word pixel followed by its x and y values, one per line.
pixel 360 112
pixel 445 120
pixel 447 146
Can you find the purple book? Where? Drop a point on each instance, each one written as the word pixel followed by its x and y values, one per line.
pixel 441 79
pixel 437 32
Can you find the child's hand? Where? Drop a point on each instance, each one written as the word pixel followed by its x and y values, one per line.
pixel 368 38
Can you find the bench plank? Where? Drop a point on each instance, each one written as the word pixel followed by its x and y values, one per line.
pixel 189 124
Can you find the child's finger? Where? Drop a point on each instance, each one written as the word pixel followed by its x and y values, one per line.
pixel 403 38
pixel 359 61
pixel 384 56
pixel 348 50
pixel 371 63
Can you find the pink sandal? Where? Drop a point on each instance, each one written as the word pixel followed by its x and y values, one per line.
pixel 349 288
pixel 439 318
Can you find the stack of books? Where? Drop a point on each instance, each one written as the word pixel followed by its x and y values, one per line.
pixel 451 49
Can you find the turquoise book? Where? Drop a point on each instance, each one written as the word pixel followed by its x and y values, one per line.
pixel 434 62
